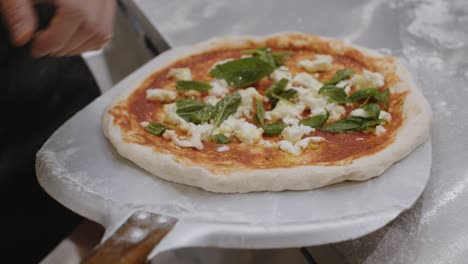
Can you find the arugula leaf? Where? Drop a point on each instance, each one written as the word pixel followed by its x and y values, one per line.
pixel 351 124
pixel 203 115
pixel 335 93
pixel 156 129
pixel 372 110
pixel 226 107
pixel 193 85
pixel 260 115
pixel 221 139
pixel 316 121
pixel 370 93
pixel 242 72
pixel 273 129
pixel 341 75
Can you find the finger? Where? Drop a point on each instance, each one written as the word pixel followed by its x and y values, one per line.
pixel 82 35
pixel 95 43
pixel 21 20
pixel 61 29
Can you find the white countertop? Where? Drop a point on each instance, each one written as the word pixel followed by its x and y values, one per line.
pixel 430 36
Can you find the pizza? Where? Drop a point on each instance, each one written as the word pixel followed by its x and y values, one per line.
pixel 290 111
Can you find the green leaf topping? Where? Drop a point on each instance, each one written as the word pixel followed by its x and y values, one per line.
pixel 335 93
pixel 221 139
pixel 316 121
pixel 273 129
pixel 193 85
pixel 351 124
pixel 340 75
pixel 370 93
pixel 242 72
pixel 264 53
pixel 156 129
pixel 194 111
pixel 260 115
pixel 372 110
pixel 277 92
pixel 277 87
pixel 226 107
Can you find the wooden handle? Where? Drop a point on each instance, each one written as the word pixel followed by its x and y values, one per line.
pixel 134 240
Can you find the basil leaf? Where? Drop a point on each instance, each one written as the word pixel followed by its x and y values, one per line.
pixel 277 87
pixel 383 96
pixel 193 85
pixel 288 94
pixel 203 115
pixel 221 139
pixel 351 124
pixel 279 57
pixel 335 93
pixel 226 107
pixel 265 54
pixel 370 93
pixel 372 110
pixel 188 105
pixel 242 72
pixel 156 129
pixel 341 75
pixel 260 115
pixel 363 94
pixel 273 129
pixel 316 121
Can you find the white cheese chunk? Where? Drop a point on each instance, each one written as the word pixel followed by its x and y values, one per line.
pixel 280 73
pixel 346 85
pixel 212 100
pixel 285 110
pixel 223 148
pixel 161 95
pixel 246 106
pixel 320 63
pixel 267 143
pixel 319 104
pixel 180 74
pixel 296 149
pixel 307 81
pixel 172 136
pixel 246 132
pixel 289 147
pixel 171 117
pixel 359 112
pixel 144 124
pixel 379 130
pixel 291 121
pixel 218 88
pixel 295 133
pixel 368 79
pixel 199 133
pixel 385 116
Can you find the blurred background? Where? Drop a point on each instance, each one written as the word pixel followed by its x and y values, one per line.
pixel 428 36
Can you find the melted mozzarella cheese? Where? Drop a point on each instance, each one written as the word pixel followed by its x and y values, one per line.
pixel 180 74
pixel 320 63
pixel 368 79
pixel 246 132
pixel 161 95
pixel 199 133
pixel 307 81
pixel 359 112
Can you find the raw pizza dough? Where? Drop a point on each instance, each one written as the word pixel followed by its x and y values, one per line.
pixel 412 132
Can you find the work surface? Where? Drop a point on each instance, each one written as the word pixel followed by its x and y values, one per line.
pixel 430 36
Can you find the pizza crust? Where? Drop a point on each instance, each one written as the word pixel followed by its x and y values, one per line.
pixel 411 134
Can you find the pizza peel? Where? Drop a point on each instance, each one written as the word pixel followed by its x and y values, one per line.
pixel 80 169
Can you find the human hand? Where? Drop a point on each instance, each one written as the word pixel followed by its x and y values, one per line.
pixel 77 26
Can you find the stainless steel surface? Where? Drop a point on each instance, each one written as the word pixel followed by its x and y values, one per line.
pixel 429 35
